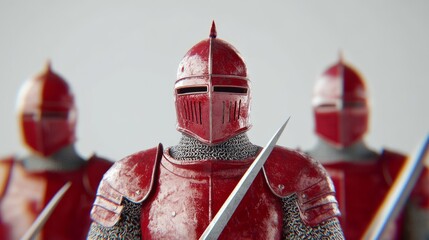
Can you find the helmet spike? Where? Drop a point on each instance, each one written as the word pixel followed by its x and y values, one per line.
pixel 48 66
pixel 340 57
pixel 213 33
pixel 341 74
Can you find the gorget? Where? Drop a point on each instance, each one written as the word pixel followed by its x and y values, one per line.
pixel 235 148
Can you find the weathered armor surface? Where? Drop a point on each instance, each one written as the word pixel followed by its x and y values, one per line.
pixel 175 193
pixel 340 105
pixel 212 91
pixel 362 176
pixel 183 196
pixel 47 113
pixel 360 197
pixel 24 194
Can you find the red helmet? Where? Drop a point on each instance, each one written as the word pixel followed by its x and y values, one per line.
pixel 212 91
pixel 47 113
pixel 340 105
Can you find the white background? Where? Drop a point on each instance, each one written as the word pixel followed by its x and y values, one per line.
pixel 120 58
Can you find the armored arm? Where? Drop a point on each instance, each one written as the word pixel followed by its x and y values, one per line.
pixel 312 219
pixel 310 209
pixel 127 227
pixel 117 207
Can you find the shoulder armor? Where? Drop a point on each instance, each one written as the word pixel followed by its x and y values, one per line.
pixel 291 172
pixel 5 169
pixel 392 163
pixel 393 159
pixel 94 170
pixel 132 178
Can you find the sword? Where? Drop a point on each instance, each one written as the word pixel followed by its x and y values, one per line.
pixel 214 229
pixel 46 212
pixel 399 191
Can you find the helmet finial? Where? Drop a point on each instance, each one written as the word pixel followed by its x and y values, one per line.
pixel 213 33
pixel 48 66
pixel 340 57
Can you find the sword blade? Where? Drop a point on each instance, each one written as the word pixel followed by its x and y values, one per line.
pixel 216 226
pixel 399 191
pixel 46 212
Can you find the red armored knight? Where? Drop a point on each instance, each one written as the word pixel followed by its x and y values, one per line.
pixel 47 118
pixel 361 175
pixel 174 192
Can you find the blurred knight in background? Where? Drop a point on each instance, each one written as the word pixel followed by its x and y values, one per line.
pixel 47 119
pixel 361 175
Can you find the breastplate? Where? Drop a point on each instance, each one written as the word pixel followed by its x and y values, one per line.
pixel 188 194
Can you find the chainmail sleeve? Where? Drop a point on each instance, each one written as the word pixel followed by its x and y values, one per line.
pixel 128 227
pixel 295 228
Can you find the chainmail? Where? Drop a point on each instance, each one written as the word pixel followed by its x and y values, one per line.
pixel 236 148
pixel 295 228
pixel 128 227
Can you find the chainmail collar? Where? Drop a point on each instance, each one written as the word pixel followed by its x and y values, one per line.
pixel 235 148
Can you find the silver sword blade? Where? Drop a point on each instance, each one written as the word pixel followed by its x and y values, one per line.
pixel 46 212
pixel 216 226
pixel 399 192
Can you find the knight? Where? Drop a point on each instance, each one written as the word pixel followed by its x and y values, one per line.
pixel 175 192
pixel 362 176
pixel 47 118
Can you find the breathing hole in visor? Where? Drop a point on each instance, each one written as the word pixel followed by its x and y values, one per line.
pixel 189 90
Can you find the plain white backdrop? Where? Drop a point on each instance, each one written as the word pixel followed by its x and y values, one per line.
pixel 120 58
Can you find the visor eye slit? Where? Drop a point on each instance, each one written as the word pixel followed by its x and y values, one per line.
pixel 191 90
pixel 229 89
pixel 354 104
pixel 55 114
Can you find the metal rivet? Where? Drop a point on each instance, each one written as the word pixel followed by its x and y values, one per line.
pixel 138 192
pixel 173 214
pixel 304 196
pixel 281 187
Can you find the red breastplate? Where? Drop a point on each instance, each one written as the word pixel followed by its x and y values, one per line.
pixel 200 188
pixel 360 189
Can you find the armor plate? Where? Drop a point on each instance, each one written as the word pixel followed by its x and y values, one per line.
pixel 360 197
pixel 180 198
